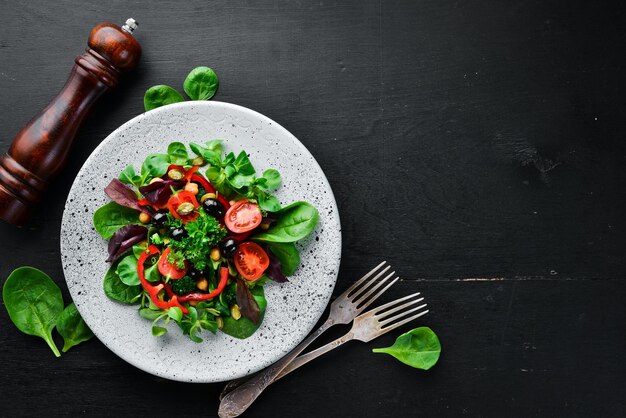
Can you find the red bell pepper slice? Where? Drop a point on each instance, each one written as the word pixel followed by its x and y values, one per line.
pixel 210 189
pixel 179 198
pixel 153 291
pixel 204 296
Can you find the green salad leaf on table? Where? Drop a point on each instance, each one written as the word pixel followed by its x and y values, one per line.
pixel 194 238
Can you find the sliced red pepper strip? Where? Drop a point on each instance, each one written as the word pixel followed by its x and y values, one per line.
pixel 210 189
pixel 153 291
pixel 204 296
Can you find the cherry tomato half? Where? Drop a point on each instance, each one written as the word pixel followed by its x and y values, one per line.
pixel 250 260
pixel 168 269
pixel 243 216
pixel 188 199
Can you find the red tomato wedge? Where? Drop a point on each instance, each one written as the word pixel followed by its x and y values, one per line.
pixel 168 269
pixel 251 260
pixel 178 199
pixel 243 216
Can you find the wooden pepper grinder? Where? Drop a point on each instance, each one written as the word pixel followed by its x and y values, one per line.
pixel 40 149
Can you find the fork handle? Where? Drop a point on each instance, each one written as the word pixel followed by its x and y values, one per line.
pixel 312 355
pixel 235 402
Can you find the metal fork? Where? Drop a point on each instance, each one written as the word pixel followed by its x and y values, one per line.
pixel 367 326
pixel 342 311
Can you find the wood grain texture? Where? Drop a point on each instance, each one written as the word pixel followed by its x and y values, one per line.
pixel 476 139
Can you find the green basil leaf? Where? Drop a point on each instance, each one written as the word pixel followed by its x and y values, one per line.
pixel 272 178
pixel 201 83
pixel 287 254
pixel 155 165
pixel 116 290
pixel 34 303
pixel 178 153
pixel 243 328
pixel 419 348
pixel 111 217
pixel 161 95
pixel 127 271
pixel 72 327
pixel 295 222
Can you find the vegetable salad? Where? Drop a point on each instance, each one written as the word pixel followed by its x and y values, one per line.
pixel 193 239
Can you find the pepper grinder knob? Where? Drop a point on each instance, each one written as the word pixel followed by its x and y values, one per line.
pixel 40 149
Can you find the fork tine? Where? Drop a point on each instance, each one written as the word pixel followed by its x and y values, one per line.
pixel 401 315
pixel 404 321
pixel 392 303
pixel 362 279
pixel 377 295
pixel 363 298
pixel 404 306
pixel 358 292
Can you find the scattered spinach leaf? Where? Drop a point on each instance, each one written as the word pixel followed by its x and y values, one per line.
pixel 34 303
pixel 201 83
pixel 161 95
pixel 72 327
pixel 295 222
pixel 109 218
pixel 419 348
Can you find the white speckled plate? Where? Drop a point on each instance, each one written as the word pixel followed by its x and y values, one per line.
pixel 293 308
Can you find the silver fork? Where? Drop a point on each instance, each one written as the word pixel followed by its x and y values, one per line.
pixel 342 311
pixel 367 326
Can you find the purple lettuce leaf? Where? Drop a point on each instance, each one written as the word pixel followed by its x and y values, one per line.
pixel 122 194
pixel 124 239
pixel 159 192
pixel 247 305
pixel 274 271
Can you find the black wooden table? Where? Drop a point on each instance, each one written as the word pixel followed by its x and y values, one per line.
pixel 476 145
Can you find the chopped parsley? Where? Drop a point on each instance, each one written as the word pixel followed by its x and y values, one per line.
pixel 202 234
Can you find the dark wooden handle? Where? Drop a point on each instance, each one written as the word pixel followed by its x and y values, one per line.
pixel 40 149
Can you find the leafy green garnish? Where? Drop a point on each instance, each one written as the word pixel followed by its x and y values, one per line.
pixel 419 348
pixel 111 217
pixel 72 327
pixel 161 95
pixel 295 222
pixel 201 83
pixel 202 235
pixel 184 285
pixel 178 153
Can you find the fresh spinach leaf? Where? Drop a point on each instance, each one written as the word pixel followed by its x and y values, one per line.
pixel 161 95
pixel 34 303
pixel 243 327
pixel 287 254
pixel 178 153
pixel 116 290
pixel 201 83
pixel 295 222
pixel 109 218
pixel 72 327
pixel 419 348
pixel 127 271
